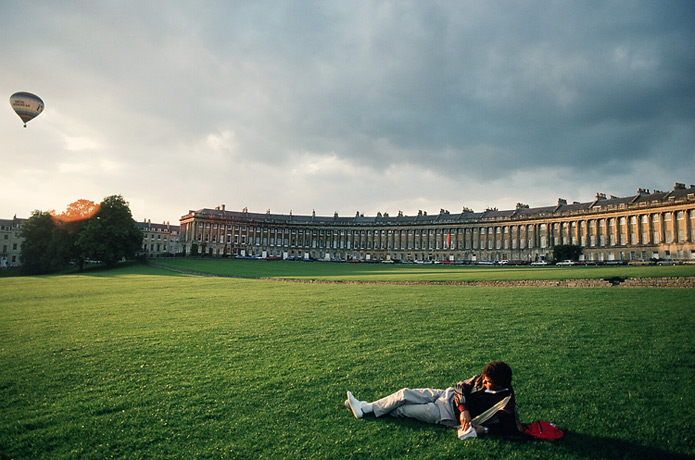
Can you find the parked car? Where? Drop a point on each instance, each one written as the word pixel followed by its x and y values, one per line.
pixel 540 262
pixel 642 262
pixel 566 263
pixel 668 262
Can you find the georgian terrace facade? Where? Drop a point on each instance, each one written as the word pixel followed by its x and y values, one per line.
pixel 649 225
pixel 159 240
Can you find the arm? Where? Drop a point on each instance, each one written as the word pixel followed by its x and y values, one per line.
pixel 461 394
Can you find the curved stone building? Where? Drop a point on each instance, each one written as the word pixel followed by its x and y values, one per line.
pixel 648 225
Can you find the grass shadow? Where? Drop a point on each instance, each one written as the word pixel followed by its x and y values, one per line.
pixel 126 268
pixel 573 444
pixel 582 445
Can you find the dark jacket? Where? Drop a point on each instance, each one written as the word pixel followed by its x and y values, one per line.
pixel 472 396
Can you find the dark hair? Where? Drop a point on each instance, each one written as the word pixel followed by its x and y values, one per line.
pixel 499 372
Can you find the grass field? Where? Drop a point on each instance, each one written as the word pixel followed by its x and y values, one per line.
pixel 140 362
pixel 396 272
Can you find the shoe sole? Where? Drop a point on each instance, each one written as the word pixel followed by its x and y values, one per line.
pixel 356 411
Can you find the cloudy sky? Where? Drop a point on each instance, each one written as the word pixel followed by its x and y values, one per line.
pixel 344 106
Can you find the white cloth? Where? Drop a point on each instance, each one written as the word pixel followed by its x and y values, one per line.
pixel 469 433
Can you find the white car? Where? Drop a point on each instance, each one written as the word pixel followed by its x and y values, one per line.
pixel 566 263
pixel 540 262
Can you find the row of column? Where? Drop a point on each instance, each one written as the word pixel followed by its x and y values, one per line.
pixel 625 230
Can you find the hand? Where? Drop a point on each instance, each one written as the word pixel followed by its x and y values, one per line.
pixel 465 420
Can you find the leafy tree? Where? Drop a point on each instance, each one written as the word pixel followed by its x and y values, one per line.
pixel 111 234
pixel 567 252
pixel 45 248
pixel 72 222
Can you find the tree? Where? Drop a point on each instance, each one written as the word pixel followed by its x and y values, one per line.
pixel 45 248
pixel 73 221
pixel 111 234
pixel 567 252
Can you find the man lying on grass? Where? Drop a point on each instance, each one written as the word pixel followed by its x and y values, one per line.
pixel 484 402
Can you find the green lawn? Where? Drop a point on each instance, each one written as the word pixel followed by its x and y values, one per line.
pixel 397 272
pixel 143 363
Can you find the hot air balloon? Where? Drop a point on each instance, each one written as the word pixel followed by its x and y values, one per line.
pixel 26 105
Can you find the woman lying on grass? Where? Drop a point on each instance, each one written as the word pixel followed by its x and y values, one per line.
pixel 485 402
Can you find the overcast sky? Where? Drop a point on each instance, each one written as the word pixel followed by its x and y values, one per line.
pixel 369 106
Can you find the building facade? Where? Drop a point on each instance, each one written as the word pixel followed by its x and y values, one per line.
pixel 10 242
pixel 649 225
pixel 159 240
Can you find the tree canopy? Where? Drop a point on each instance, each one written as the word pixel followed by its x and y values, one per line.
pixel 43 247
pixel 105 232
pixel 567 252
pixel 111 234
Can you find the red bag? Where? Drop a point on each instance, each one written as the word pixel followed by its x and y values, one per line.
pixel 542 430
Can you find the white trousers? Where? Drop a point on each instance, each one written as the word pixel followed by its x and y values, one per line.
pixel 424 404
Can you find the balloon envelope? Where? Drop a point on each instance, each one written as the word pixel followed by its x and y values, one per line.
pixel 26 105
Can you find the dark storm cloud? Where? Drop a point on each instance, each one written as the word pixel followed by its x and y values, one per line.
pixel 473 87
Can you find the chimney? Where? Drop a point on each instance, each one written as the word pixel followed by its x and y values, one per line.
pixel 223 206
pixel 561 201
pixel 679 186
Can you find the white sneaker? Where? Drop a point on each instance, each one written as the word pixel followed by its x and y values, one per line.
pixel 355 405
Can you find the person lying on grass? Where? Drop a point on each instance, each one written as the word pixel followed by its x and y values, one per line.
pixel 486 402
